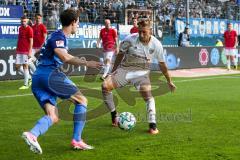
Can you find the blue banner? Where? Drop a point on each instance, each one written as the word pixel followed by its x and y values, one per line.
pixel 8 30
pixel 11 11
pixel 10 21
pixel 204 27
pixel 86 35
pixel 238 2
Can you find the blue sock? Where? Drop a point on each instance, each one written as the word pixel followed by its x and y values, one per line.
pixel 79 119
pixel 41 126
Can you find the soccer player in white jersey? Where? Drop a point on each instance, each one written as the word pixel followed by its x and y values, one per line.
pixel 132 65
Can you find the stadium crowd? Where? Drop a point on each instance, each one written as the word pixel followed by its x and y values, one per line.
pixel 95 11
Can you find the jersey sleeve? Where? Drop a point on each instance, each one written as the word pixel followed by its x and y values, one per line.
pixel 158 53
pixel 30 32
pixel 125 44
pixel 58 42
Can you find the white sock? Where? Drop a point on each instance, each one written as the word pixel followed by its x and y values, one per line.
pixel 235 60
pixel 106 70
pixel 151 111
pixel 228 64
pixel 20 71
pixel 26 77
pixel 32 67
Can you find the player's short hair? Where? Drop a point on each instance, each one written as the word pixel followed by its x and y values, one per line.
pixel 134 18
pixel 38 14
pixel 144 22
pixel 24 17
pixel 68 16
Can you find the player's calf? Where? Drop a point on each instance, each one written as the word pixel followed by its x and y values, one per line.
pixel 108 100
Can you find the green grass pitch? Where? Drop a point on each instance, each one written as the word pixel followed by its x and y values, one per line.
pixel 200 121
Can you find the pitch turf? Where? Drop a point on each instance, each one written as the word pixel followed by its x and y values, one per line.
pixel 199 121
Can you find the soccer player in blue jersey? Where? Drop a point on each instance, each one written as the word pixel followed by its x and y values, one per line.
pixel 48 83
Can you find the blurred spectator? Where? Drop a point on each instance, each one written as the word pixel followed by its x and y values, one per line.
pixel 129 3
pixel 10 2
pixel 3 2
pixel 134 29
pixel 113 17
pixel 117 5
pixel 67 4
pixel 93 14
pixel 83 17
pixel 184 38
pixel 166 10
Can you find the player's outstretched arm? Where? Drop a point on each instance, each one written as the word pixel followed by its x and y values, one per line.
pixel 68 58
pixel 165 72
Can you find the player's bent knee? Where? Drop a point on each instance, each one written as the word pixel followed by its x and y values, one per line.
pixel 54 119
pixel 17 67
pixel 25 66
pixel 145 88
pixel 106 87
pixel 78 98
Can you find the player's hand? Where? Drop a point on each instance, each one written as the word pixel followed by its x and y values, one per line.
pixel 117 51
pixel 172 86
pixel 94 64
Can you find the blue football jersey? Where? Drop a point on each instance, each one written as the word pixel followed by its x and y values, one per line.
pixel 47 56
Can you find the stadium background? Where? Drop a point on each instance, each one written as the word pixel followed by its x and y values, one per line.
pixel 207 22
pixel 207 18
pixel 199 121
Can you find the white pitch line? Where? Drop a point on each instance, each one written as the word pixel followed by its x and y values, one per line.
pixel 199 79
pixel 16 95
pixel 179 81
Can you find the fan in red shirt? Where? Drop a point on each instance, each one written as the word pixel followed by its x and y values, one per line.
pixel 134 29
pixel 230 44
pixel 39 37
pixel 109 39
pixel 24 50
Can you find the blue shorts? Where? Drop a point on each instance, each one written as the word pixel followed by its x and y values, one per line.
pixel 47 86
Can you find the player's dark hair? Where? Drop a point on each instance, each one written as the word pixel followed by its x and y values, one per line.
pixel 24 17
pixel 68 16
pixel 38 14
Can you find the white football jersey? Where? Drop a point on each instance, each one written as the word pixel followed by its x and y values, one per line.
pixel 138 54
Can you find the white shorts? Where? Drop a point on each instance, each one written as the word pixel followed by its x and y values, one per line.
pixel 123 76
pixel 22 59
pixel 108 55
pixel 230 52
pixel 33 58
pixel 34 50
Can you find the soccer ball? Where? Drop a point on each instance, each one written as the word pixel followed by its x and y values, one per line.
pixel 126 121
